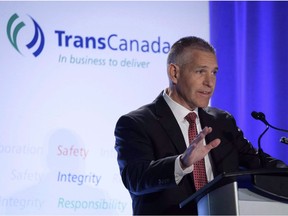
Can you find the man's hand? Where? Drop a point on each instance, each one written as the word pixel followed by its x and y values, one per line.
pixel 196 150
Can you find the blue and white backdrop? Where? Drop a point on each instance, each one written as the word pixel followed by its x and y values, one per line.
pixel 70 69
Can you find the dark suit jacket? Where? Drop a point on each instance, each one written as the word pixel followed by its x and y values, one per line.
pixel 148 141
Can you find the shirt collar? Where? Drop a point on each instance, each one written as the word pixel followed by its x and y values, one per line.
pixel 178 110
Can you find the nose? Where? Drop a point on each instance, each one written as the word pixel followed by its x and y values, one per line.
pixel 209 80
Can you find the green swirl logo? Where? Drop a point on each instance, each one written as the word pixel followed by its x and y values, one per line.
pixel 13 33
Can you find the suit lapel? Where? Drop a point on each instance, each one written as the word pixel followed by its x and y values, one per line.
pixel 169 123
pixel 208 119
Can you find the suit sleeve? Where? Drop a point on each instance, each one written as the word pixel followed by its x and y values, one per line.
pixel 141 171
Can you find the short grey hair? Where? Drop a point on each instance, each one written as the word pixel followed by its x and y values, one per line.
pixel 188 42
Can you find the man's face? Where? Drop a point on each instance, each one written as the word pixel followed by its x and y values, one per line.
pixel 194 79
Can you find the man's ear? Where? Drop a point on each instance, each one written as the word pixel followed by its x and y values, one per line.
pixel 173 72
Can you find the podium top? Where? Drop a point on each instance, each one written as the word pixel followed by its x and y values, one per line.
pixel 272 183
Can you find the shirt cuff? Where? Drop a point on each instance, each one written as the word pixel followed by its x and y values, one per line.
pixel 179 172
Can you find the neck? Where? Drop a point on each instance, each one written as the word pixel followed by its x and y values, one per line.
pixel 172 93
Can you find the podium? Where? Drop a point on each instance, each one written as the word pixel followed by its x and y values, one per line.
pixel 249 192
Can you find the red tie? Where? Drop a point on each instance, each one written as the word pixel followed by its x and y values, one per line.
pixel 199 173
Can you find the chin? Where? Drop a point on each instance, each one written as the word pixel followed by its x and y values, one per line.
pixel 203 105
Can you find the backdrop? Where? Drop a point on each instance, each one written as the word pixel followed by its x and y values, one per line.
pixel 251 42
pixel 68 71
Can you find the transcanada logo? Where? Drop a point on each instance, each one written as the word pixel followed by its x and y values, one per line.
pixel 112 42
pixel 13 28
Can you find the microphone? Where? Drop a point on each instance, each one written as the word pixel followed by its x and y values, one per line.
pixel 260 116
pixel 284 140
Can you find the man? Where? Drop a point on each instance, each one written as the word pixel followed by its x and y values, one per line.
pixel 155 156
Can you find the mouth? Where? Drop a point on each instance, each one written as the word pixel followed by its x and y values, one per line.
pixel 205 93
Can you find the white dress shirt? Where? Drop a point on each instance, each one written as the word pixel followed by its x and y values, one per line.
pixel 180 112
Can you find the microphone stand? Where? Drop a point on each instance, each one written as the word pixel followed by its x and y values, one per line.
pixel 260 150
pixel 283 140
pixel 276 128
pixel 260 116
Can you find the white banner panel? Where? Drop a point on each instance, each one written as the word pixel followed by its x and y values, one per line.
pixel 68 71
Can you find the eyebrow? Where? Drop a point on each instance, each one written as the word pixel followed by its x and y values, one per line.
pixel 216 68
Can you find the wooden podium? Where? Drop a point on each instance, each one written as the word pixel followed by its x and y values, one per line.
pixel 251 192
